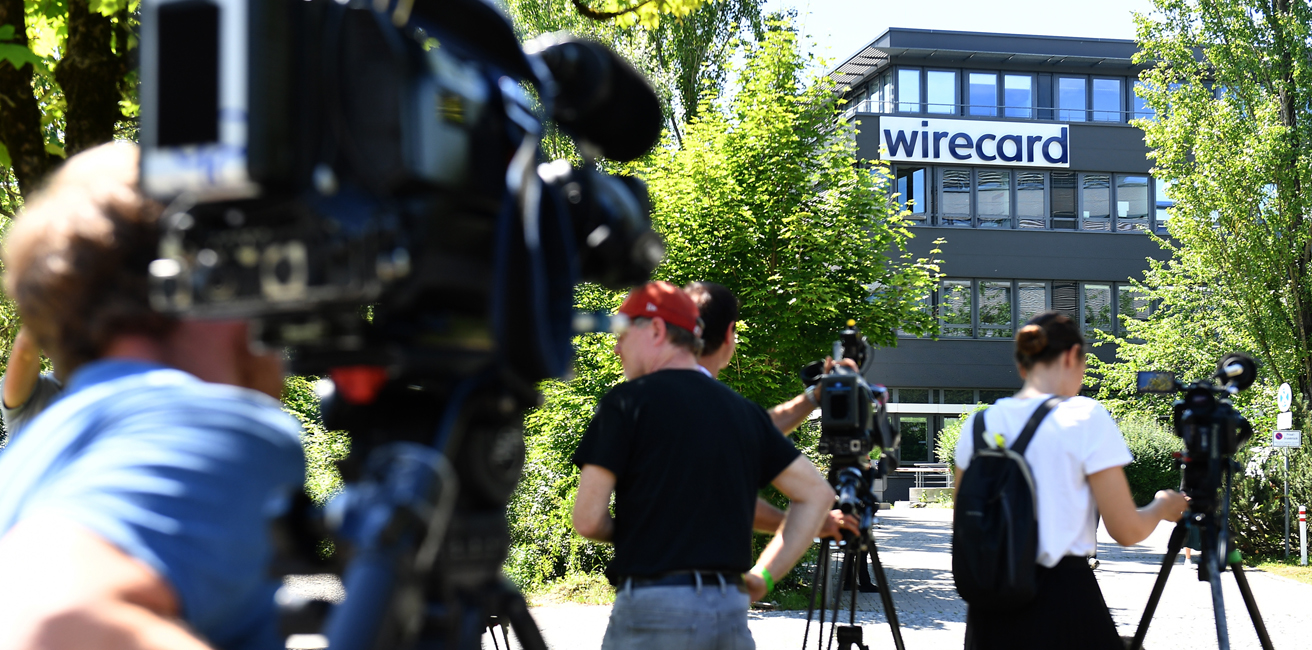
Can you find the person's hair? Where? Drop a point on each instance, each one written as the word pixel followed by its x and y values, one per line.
pixel 678 336
pixel 1046 337
pixel 76 257
pixel 718 307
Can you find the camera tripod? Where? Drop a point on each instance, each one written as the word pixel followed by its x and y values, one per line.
pixel 1215 535
pixel 851 481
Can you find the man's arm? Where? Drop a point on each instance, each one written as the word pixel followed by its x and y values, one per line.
pixel 592 505
pixel 63 587
pixel 811 499
pixel 791 414
pixel 22 370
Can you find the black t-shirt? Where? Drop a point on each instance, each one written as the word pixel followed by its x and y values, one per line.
pixel 689 455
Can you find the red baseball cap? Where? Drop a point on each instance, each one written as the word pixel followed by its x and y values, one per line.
pixel 666 301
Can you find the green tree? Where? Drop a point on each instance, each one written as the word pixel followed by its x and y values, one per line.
pixel 766 197
pixel 1229 86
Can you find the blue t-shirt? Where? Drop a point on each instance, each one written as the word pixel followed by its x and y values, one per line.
pixel 180 474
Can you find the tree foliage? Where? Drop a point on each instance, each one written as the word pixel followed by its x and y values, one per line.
pixel 1230 86
pixel 766 197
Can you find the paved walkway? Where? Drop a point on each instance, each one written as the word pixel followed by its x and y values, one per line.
pixel 915 547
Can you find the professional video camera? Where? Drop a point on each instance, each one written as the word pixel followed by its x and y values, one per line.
pixel 363 180
pixel 1212 430
pixel 853 425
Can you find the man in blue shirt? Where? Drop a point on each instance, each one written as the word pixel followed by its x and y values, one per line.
pixel 136 513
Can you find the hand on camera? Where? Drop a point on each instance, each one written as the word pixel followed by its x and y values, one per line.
pixel 755 585
pixel 830 364
pixel 1171 504
pixel 836 523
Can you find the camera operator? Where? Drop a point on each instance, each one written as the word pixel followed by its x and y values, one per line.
pixel 1077 458
pixel 718 307
pixel 24 390
pixel 685 456
pixel 139 517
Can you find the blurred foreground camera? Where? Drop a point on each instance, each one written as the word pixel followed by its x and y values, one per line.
pixel 364 182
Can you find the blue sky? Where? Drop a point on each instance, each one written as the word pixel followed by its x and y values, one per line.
pixel 838 28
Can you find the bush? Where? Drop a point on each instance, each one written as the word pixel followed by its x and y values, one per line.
pixel 323 448
pixel 946 450
pixel 1154 467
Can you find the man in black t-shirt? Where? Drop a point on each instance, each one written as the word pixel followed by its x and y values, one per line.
pixel 684 456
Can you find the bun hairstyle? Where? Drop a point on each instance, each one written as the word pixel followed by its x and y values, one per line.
pixel 1046 337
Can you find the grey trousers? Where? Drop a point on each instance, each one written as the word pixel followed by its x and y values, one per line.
pixel 713 617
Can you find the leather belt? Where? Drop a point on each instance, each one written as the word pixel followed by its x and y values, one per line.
pixel 685 579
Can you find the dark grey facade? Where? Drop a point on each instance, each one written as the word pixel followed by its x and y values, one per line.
pixel 1018 153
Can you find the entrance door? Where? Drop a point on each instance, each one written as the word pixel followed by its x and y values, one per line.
pixel 915 439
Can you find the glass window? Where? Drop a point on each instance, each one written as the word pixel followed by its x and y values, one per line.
pixel 908 90
pixel 993 197
pixel 991 396
pixel 983 94
pixel 994 309
pixel 1018 95
pixel 1162 190
pixel 915 447
pixel 1095 202
pixel 1131 202
pixel 1029 200
pixel 1141 107
pixel 1071 101
pixel 1097 307
pixel 1107 100
pixel 1031 300
pixel 954 308
pixel 1063 200
pixel 959 396
pixel 911 191
pixel 1065 299
pixel 1131 303
pixel 876 104
pixel 913 396
pixel 941 88
pixel 954 197
pixel 888 93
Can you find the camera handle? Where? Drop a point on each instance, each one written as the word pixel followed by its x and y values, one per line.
pixel 1237 566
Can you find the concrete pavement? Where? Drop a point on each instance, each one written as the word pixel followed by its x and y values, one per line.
pixel 916 549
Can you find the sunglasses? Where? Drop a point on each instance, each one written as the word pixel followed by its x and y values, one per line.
pixel 621 323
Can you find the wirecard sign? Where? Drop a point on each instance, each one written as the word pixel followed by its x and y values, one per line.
pixel 974 142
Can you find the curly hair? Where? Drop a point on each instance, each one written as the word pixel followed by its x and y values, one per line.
pixel 76 257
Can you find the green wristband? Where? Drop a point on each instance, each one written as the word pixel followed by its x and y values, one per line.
pixel 769 580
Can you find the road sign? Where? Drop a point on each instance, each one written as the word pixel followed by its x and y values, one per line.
pixel 1285 420
pixel 1289 438
pixel 1284 397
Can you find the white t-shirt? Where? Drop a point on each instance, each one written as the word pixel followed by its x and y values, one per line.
pixel 1076 439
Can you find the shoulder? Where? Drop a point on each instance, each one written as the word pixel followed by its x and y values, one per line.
pixel 1082 411
pixel 177 401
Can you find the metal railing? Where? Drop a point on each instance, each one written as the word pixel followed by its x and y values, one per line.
pixel 999 112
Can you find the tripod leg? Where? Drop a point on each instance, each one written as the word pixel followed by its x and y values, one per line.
pixel 526 630
pixel 824 597
pixel 1251 604
pixel 1172 549
pixel 842 573
pixel 815 580
pixel 885 595
pixel 1218 611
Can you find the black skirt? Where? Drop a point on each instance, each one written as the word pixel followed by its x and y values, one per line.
pixel 1068 613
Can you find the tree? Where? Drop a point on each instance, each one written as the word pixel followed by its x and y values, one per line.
pixel 67 79
pixel 1230 86
pixel 766 197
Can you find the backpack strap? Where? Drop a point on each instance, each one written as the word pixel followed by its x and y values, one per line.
pixel 979 431
pixel 1023 440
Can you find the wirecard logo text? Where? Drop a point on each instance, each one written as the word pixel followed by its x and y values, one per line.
pixel 976 142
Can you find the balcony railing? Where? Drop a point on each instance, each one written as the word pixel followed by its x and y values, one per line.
pixel 993 112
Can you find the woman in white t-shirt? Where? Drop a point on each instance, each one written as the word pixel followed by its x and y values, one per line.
pixel 1076 457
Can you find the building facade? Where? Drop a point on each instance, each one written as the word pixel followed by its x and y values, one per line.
pixel 1017 153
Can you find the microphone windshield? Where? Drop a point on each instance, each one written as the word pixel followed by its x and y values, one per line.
pixel 600 98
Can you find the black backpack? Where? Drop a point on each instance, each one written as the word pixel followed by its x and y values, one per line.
pixel 995 529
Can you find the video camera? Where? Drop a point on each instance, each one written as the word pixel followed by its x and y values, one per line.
pixel 364 182
pixel 853 424
pixel 1206 419
pixel 853 413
